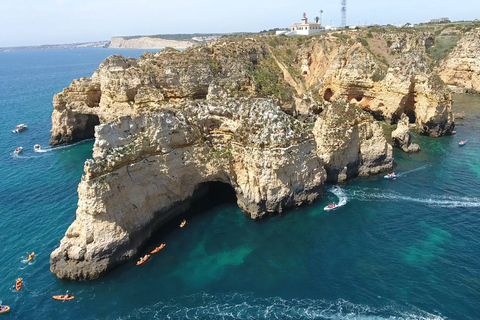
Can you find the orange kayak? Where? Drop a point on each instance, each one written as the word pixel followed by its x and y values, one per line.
pixel 184 222
pixel 18 284
pixel 158 248
pixel 63 297
pixel 31 255
pixel 4 309
pixel 143 259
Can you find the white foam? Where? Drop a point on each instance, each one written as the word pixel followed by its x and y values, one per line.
pixel 413 170
pixel 247 306
pixel 339 192
pixel 445 201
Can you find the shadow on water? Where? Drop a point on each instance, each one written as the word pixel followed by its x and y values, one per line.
pixel 206 197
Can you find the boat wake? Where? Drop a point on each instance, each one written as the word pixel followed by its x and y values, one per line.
pixel 445 201
pixel 340 194
pixel 413 170
pixel 49 149
pixel 247 306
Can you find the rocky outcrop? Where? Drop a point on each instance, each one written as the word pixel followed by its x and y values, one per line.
pixel 232 112
pixel 401 137
pixel 148 43
pixel 460 70
pixel 145 169
pixel 406 86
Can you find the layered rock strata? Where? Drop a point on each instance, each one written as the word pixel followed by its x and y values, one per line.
pixel 461 68
pixel 168 123
pixel 406 86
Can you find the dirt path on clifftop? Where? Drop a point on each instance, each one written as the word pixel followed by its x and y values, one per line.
pixel 287 76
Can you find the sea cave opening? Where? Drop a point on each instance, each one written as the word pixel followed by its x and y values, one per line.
pixel 409 105
pixel 85 126
pixel 207 197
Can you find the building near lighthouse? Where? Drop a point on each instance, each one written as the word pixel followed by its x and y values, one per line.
pixel 304 28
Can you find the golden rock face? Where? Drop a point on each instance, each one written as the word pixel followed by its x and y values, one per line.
pixel 272 119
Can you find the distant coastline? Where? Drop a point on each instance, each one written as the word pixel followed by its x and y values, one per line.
pixel 177 41
pixel 95 44
pixel 149 43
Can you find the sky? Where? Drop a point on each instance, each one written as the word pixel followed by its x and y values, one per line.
pixel 37 22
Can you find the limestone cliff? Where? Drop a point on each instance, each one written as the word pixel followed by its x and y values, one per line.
pixel 148 43
pixel 253 113
pixel 460 70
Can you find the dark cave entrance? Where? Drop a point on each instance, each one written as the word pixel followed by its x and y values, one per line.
pixel 211 194
pixel 207 196
pixel 357 95
pixel 327 95
pixel 409 106
pixel 85 126
pixel 429 42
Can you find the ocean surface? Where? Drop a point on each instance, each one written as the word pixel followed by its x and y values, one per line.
pixel 397 249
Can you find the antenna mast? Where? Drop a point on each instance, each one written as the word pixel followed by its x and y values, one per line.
pixel 344 13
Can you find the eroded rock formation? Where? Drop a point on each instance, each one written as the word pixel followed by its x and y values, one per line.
pixel 461 68
pixel 401 137
pixel 235 112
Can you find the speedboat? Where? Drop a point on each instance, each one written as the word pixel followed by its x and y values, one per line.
pixel 18 150
pixel 36 148
pixel 462 143
pixel 390 176
pixel 20 128
pixel 331 206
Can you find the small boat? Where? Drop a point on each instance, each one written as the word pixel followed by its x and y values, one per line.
pixel 4 309
pixel 143 259
pixel 331 206
pixel 160 247
pixel 20 128
pixel 390 176
pixel 63 297
pixel 462 143
pixel 31 255
pixel 36 147
pixel 184 222
pixel 18 284
pixel 18 150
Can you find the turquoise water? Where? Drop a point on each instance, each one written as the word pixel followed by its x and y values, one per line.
pixel 402 249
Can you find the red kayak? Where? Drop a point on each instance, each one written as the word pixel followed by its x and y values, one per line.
pixel 18 284
pixel 143 259
pixel 158 248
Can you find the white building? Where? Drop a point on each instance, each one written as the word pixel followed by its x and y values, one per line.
pixel 304 28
